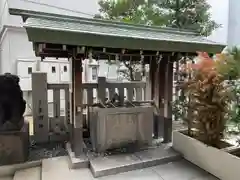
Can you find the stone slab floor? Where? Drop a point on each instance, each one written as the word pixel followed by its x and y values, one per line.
pixel 181 170
pixel 57 169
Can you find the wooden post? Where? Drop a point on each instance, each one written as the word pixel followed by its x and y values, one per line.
pixel 151 93
pixel 40 107
pixel 101 91
pixel 150 80
pixel 159 86
pixel 76 117
pixel 161 90
pixel 147 89
pixel 67 109
pixel 154 74
pixel 71 102
pixel 78 109
pixel 176 87
pixel 138 90
pixel 168 93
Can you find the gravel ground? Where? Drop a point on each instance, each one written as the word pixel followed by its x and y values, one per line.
pixel 37 152
pixel 43 151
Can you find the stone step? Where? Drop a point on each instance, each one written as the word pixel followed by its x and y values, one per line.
pixel 9 170
pixel 58 169
pixel 110 165
pixel 28 174
pixel 6 178
pixel 55 168
pixel 76 162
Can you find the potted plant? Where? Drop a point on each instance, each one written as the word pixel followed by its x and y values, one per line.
pixel 208 102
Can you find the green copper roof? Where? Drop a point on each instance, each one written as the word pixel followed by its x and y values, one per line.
pixel 51 28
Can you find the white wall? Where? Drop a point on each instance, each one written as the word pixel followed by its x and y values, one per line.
pixel 5 53
pixel 14 43
pixel 84 8
pixel 3 13
pixel 106 70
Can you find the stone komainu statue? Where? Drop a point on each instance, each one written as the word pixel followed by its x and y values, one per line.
pixel 12 104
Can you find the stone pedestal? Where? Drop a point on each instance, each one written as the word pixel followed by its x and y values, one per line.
pixel 118 127
pixel 14 146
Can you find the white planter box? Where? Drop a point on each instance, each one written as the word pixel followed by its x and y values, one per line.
pixel 215 161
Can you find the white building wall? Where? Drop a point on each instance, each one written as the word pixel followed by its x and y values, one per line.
pixel 16 52
pixel 12 34
pixel 84 8
pixel 20 47
pixel 3 13
pixel 5 53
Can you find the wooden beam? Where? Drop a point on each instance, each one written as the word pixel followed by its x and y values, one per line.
pixel 65 51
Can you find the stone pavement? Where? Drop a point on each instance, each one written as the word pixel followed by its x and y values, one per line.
pixel 181 170
pixel 57 169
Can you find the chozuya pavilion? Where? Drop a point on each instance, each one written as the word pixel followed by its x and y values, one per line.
pixel 75 38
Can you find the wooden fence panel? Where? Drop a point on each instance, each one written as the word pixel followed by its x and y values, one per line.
pixel 52 128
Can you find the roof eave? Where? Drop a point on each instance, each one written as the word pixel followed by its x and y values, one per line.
pixel 25 14
pixel 83 39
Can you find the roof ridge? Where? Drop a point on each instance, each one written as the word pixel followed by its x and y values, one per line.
pixel 34 14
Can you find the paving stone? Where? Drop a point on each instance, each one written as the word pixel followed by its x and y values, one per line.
pixel 55 168
pixel 157 156
pixel 209 177
pixel 109 165
pixel 9 170
pixel 28 174
pixel 143 174
pixel 76 162
pixel 83 174
pixel 6 178
pixel 181 170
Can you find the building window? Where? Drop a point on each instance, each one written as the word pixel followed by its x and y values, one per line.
pixel 65 68
pixel 29 70
pixel 94 73
pixel 53 69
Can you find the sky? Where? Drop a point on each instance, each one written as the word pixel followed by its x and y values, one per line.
pixel 220 15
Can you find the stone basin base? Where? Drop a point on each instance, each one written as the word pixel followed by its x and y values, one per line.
pixel 117 127
pixel 14 146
